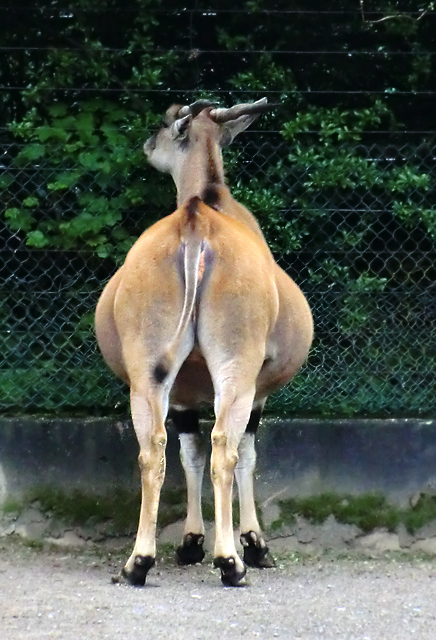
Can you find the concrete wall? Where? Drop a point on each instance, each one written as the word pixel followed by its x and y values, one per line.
pixel 305 457
pixel 295 457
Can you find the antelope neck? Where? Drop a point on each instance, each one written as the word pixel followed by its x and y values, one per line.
pixel 200 171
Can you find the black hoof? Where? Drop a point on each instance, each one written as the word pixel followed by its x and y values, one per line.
pixel 137 576
pixel 254 554
pixel 191 551
pixel 230 575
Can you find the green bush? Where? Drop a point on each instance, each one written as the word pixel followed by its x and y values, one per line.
pixel 345 196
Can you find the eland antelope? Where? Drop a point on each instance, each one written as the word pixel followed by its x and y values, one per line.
pixel 201 313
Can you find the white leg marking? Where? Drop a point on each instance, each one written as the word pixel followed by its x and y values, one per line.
pixel 244 471
pixel 193 457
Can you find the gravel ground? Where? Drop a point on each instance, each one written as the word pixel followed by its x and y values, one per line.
pixel 68 594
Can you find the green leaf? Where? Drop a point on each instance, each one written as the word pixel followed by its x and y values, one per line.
pixel 57 186
pixel 6 181
pixel 31 202
pixel 32 152
pixel 37 239
pixel 47 132
pixel 104 251
pixel 58 110
pixel 18 219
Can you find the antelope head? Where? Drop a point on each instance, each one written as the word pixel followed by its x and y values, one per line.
pixel 188 145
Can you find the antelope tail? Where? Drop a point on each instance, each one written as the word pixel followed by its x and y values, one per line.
pixel 192 246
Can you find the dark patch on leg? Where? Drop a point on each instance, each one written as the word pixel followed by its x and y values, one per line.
pixel 162 368
pixel 160 372
pixel 256 555
pixel 185 421
pixel 254 420
pixel 191 550
pixel 230 576
pixel 137 576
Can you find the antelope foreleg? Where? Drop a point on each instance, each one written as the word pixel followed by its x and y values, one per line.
pixel 255 548
pixel 193 458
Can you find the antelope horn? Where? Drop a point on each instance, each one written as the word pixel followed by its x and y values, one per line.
pixel 220 116
pixel 195 108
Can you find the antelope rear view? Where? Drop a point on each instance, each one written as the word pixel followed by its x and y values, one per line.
pixel 201 313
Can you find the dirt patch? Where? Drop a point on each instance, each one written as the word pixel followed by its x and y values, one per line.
pixel 48 592
pixel 34 524
pixel 365 524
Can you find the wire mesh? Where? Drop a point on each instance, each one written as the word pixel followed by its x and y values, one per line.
pixel 362 250
pixel 374 351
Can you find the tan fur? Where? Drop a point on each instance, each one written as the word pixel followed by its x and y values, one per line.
pixel 245 330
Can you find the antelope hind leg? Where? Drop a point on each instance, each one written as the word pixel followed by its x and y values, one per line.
pixel 232 418
pixel 148 419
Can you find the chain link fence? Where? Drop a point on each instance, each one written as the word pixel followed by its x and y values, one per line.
pixel 374 350
pixel 360 244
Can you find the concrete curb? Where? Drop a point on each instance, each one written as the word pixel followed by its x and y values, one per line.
pixel 295 457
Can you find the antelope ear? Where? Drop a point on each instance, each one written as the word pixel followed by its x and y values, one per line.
pixel 231 129
pixel 179 128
